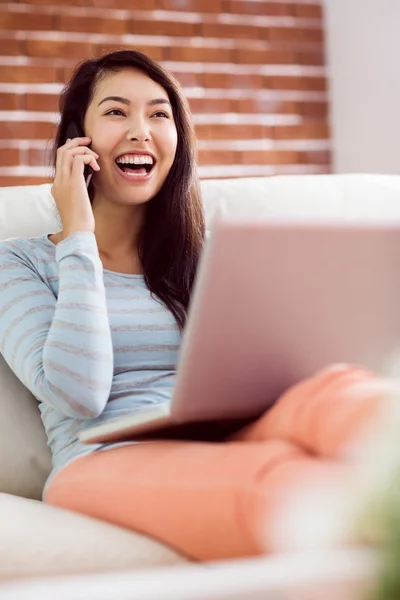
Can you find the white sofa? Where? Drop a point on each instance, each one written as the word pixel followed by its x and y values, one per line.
pixel 38 540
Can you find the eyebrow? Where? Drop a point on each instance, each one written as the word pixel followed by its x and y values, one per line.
pixel 128 102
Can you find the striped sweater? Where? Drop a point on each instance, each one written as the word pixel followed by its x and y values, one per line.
pixel 89 343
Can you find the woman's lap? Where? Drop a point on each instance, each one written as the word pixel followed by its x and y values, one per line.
pixel 220 500
pixel 208 501
pixel 324 414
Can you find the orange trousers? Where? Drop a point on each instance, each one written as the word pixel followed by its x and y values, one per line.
pixel 222 500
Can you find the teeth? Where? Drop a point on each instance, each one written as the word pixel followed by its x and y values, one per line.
pixel 137 159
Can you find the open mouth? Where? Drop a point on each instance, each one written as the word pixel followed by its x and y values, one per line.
pixel 136 166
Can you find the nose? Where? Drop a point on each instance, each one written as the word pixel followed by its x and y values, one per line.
pixel 138 131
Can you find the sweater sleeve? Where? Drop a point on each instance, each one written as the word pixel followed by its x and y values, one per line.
pixel 60 349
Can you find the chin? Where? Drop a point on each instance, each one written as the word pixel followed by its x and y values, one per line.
pixel 136 198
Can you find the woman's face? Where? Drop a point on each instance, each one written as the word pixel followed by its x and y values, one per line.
pixel 133 131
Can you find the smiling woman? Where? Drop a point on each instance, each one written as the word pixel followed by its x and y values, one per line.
pixel 129 130
pixel 145 194
pixel 137 164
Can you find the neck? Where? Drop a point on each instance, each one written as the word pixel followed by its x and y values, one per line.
pixel 117 229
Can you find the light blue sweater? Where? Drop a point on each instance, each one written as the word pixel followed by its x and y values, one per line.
pixel 89 343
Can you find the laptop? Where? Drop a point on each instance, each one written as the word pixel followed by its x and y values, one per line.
pixel 274 302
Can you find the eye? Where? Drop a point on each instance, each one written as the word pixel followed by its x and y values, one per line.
pixel 115 111
pixel 162 114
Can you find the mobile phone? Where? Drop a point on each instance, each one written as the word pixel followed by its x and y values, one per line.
pixel 73 131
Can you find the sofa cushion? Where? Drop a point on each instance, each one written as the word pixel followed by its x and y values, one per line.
pixel 25 459
pixel 27 211
pixel 30 210
pixel 41 540
pixel 322 197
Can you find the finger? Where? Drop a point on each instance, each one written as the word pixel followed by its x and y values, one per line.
pixel 79 162
pixel 73 143
pixel 59 161
pixel 82 150
pixel 77 141
pixel 87 160
pixel 70 143
pixel 67 158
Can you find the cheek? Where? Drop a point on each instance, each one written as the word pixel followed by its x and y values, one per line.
pixel 102 143
pixel 106 136
pixel 170 141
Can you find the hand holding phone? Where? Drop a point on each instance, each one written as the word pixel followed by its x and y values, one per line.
pixel 73 131
pixel 69 188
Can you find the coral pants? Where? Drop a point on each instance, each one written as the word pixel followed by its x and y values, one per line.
pixel 224 500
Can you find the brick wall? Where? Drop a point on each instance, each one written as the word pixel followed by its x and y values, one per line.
pixel 253 71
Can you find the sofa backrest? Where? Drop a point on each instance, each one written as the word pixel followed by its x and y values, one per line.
pixel 27 211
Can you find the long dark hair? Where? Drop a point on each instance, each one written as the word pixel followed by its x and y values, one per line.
pixel 173 232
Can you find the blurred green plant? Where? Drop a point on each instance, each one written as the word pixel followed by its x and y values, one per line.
pixel 385 529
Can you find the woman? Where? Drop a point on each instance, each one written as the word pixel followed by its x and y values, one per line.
pixel 91 322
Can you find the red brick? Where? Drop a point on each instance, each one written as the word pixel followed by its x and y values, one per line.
pixel 155 52
pixel 309 131
pixel 211 105
pixel 25 21
pixel 9 157
pixel 27 74
pixel 216 157
pixel 189 79
pixel 45 102
pixel 233 81
pixel 38 157
pixel 316 157
pixel 57 49
pixel 123 4
pixel 267 82
pixel 118 4
pixel 250 157
pixel 313 36
pixel 8 180
pixel 232 132
pixel 10 101
pixel 10 47
pixel 201 6
pixel 293 35
pixel 26 131
pixel 86 24
pixel 265 57
pixel 64 74
pixel 317 84
pixel 57 2
pixel 311 58
pixel 314 84
pixel 314 110
pixel 173 28
pixel 276 107
pixel 270 157
pixel 226 30
pixel 309 11
pixel 259 8
pixel 188 53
